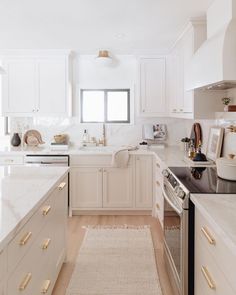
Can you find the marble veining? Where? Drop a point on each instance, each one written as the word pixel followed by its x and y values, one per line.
pixel 22 190
pixel 221 210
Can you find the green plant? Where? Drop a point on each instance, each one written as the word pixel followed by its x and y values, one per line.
pixel 226 100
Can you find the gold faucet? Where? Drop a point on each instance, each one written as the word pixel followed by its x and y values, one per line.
pixel 104 141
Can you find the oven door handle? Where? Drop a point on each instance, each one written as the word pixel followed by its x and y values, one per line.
pixel 171 203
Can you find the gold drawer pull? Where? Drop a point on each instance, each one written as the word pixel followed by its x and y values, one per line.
pixel 61 186
pixel 25 282
pixel 158 165
pixel 46 210
pixel 206 233
pixel 208 278
pixel 46 244
pixel 46 286
pixel 25 239
pixel 158 206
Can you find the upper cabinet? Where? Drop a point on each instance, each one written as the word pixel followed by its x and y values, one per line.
pixel 152 87
pixel 193 104
pixel 36 85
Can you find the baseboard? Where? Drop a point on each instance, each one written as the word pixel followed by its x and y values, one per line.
pixel 111 212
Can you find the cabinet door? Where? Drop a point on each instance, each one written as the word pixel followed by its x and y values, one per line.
pixel 152 86
pixel 52 86
pixel 117 188
pixel 86 188
pixel 144 182
pixel 19 89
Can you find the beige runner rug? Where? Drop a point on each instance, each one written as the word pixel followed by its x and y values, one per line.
pixel 116 261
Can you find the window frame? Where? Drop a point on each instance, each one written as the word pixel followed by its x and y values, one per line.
pixel 127 90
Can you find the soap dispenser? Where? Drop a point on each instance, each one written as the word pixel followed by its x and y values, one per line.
pixel 85 137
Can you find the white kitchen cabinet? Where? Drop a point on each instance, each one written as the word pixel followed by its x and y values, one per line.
pixel 36 85
pixel 19 86
pixel 36 253
pixel 11 160
pixel 152 87
pixel 183 103
pixel 158 184
pixel 86 187
pixel 53 86
pixel 118 187
pixel 143 181
pixel 214 259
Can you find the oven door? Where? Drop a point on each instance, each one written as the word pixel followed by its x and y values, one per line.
pixel 176 238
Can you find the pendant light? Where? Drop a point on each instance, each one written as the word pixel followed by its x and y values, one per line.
pixel 104 58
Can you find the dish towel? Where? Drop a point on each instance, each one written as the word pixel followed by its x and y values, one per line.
pixel 120 158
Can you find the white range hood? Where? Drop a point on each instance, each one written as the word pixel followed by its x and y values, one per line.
pixel 214 65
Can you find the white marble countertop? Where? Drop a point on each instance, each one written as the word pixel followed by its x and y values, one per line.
pixel 221 211
pixel 22 191
pixel 169 155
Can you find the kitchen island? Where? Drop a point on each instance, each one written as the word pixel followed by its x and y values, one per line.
pixel 33 213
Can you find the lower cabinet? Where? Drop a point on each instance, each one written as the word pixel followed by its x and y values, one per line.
pixel 113 188
pixel 86 187
pixel 43 237
pixel 117 188
pixel 143 181
pixel 214 259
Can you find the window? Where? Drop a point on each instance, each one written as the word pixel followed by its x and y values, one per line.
pixel 108 106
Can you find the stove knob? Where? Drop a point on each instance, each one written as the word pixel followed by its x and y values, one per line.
pixel 165 173
pixel 181 193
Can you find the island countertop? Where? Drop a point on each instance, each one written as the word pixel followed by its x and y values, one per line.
pixel 22 191
pixel 221 210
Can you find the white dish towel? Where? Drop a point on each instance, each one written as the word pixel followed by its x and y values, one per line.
pixel 120 157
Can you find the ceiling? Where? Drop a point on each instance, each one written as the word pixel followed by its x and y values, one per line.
pixel 124 26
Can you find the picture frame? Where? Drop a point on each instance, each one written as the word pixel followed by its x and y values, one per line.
pixel 215 141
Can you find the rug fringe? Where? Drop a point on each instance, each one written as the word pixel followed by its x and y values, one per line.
pixel 124 226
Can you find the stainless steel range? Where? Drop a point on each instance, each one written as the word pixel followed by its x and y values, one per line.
pixel 179 183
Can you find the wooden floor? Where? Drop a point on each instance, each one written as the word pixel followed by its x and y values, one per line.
pixel 75 238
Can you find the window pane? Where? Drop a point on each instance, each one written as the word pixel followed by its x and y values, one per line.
pixel 117 105
pixel 93 106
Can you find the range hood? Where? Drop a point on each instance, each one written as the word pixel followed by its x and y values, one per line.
pixel 213 66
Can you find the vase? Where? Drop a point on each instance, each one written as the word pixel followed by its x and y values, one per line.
pixel 226 108
pixel 15 141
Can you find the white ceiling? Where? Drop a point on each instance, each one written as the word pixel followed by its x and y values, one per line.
pixel 124 26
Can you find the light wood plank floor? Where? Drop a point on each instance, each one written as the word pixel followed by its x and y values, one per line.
pixel 75 238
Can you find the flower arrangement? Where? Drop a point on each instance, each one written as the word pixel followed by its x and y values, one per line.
pixel 226 101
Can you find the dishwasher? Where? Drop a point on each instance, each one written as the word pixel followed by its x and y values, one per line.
pixel 49 161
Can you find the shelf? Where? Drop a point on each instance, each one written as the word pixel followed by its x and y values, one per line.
pixel 225 115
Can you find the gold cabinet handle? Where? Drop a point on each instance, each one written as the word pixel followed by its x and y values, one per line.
pixel 25 239
pixel 206 233
pixel 46 286
pixel 208 278
pixel 61 186
pixel 157 206
pixel 46 244
pixel 46 210
pixel 158 165
pixel 158 183
pixel 25 282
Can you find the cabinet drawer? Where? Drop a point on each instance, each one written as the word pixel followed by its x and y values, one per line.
pixel 22 242
pixel 91 161
pixel 207 236
pixel 209 278
pixel 11 160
